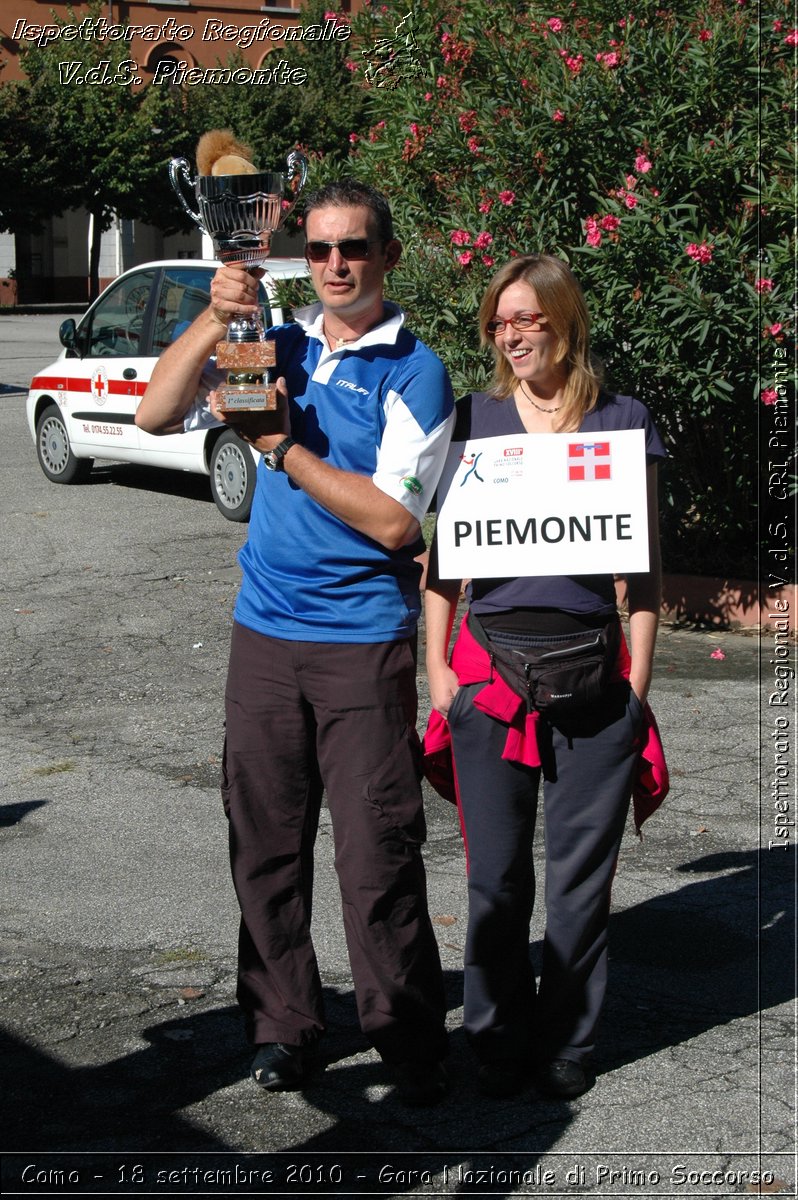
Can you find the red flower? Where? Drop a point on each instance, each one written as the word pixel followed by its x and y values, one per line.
pixel 764 285
pixel 474 146
pixel 483 240
pixel 704 35
pixel 630 201
pixel 507 198
pixel 558 115
pixel 769 396
pixel 775 330
pixel 701 254
pixel 554 24
pixel 465 258
pixel 792 38
pixel 574 63
pixel 353 137
pixel 468 121
pixel 486 206
pixel 487 260
pixel 610 223
pixel 460 237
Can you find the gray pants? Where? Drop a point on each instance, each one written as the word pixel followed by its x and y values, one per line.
pixel 588 771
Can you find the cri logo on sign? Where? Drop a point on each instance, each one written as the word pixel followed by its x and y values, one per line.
pixel 99 385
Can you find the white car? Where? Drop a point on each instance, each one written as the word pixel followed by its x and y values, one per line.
pixel 82 406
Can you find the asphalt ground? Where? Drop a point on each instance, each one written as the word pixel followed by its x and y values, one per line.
pixel 125 1067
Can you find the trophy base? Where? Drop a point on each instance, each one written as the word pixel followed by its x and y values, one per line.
pixel 236 399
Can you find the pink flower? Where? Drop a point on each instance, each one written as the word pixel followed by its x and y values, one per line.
pixel 574 63
pixel 487 260
pixel 630 201
pixel 486 206
pixel 777 26
pixel 468 121
pixel 610 61
pixel 330 15
pixel 631 182
pixel 465 258
pixel 717 653
pixel 460 237
pixel 507 198
pixel 351 66
pixel 642 164
pixel 428 95
pixel 473 145
pixel 440 81
pixel 592 232
pixel 701 254
pixel 558 115
pixel 769 396
pixel 792 38
pixel 353 137
pixel 704 35
pixel 764 285
pixel 610 223
pixel 554 24
pixel 414 128
pixel 775 330
pixel 483 240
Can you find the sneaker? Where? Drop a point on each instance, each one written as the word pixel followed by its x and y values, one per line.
pixel 280 1068
pixel 420 1083
pixel 563 1079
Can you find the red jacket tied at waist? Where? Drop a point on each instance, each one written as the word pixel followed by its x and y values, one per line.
pixel 471 663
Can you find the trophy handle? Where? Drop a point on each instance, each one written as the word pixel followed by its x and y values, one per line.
pixel 178 174
pixel 297 163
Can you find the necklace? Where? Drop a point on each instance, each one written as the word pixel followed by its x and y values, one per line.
pixel 339 341
pixel 537 406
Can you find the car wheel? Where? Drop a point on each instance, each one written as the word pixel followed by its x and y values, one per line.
pixel 232 476
pixel 54 451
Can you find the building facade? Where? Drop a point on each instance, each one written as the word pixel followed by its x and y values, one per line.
pixel 168 39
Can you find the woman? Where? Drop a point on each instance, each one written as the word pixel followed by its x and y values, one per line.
pixel 534 318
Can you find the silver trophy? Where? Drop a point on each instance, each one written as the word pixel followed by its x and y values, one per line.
pixel 241 213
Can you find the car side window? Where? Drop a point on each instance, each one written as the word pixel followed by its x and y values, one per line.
pixel 185 292
pixel 118 318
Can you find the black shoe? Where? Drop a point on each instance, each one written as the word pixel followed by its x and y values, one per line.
pixel 420 1083
pixel 501 1078
pixel 563 1079
pixel 279 1068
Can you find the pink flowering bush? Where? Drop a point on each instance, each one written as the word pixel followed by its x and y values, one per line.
pixel 651 151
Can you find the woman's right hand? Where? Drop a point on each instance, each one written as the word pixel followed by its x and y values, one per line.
pixel 443 686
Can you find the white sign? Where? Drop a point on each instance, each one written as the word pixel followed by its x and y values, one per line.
pixel 544 504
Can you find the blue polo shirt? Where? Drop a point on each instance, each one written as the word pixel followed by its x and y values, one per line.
pixel 381 407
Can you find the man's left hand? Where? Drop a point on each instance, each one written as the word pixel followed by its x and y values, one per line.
pixel 263 430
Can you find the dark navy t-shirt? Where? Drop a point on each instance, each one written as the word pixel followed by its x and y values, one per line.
pixel 481 415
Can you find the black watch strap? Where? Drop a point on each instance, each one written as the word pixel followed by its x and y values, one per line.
pixel 273 459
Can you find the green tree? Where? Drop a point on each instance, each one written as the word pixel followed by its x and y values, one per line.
pixel 654 152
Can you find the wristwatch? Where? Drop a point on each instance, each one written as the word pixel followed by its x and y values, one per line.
pixel 273 459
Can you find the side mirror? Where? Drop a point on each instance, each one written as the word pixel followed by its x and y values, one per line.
pixel 71 339
pixel 68 334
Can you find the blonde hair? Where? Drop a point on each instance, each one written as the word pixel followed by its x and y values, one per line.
pixel 561 298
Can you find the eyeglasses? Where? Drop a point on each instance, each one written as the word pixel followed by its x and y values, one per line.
pixel 525 322
pixel 352 249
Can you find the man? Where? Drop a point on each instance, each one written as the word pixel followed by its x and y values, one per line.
pixel 321 686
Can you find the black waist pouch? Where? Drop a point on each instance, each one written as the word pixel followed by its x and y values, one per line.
pixel 556 674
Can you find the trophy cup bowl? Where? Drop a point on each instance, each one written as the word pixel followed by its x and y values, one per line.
pixel 241 213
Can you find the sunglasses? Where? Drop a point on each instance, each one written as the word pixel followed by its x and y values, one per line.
pixel 352 249
pixel 525 322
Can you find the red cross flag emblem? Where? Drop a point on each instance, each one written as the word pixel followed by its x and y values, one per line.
pixel 588 460
pixel 99 385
